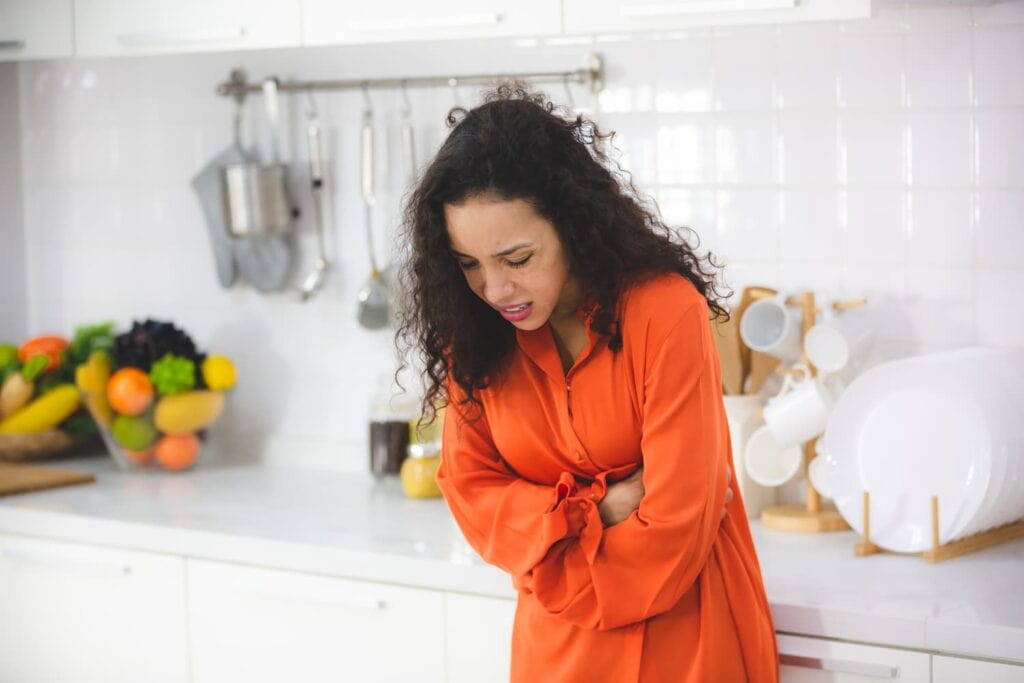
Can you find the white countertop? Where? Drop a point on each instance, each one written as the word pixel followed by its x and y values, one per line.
pixel 346 524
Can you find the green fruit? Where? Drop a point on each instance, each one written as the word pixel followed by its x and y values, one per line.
pixel 135 433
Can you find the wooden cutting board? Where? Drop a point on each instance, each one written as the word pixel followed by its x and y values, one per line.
pixel 24 478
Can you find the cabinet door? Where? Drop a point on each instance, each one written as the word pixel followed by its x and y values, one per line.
pixel 478 637
pixel 602 16
pixel 35 29
pixel 253 624
pixel 114 27
pixel 72 612
pixel 958 670
pixel 326 22
pixel 817 660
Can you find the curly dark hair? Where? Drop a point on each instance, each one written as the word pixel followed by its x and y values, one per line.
pixel 520 145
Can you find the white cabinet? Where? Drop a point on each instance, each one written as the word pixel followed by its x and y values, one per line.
pixel 612 16
pixel 114 27
pixel 959 670
pixel 35 29
pixel 478 637
pixel 252 624
pixel 816 660
pixel 72 612
pixel 327 22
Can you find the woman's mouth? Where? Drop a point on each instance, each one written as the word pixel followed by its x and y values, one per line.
pixel 516 313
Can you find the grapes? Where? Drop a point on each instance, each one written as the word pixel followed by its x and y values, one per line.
pixel 151 340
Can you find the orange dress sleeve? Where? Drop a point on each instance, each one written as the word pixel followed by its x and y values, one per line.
pixel 552 540
pixel 511 522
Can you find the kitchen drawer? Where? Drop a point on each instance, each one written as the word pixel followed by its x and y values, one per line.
pixel 35 29
pixel 326 22
pixel 478 637
pixel 71 612
pixel 254 624
pixel 612 16
pixel 817 660
pixel 959 670
pixel 112 27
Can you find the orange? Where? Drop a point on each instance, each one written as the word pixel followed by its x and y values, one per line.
pixel 139 457
pixel 129 391
pixel 177 451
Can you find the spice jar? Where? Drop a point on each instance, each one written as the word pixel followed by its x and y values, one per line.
pixel 390 418
pixel 420 469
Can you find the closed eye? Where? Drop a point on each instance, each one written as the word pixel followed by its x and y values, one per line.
pixel 521 262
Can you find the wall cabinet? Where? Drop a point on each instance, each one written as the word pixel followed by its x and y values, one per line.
pixel 254 624
pixel 112 27
pixel 71 612
pixel 325 22
pixel 614 16
pixel 35 29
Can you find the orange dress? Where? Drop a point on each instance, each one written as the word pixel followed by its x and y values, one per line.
pixel 673 593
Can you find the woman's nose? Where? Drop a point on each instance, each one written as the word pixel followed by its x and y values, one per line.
pixel 497 289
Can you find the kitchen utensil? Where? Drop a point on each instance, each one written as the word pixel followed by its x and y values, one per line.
pixel 949 425
pixel 772 327
pixel 727 341
pixel 408 140
pixel 800 411
pixel 25 478
pixel 768 462
pixel 373 296
pixel 315 279
pixel 748 296
pixel 256 202
pixel 841 335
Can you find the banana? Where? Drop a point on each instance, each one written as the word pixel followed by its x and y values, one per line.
pixel 46 412
pixel 187 412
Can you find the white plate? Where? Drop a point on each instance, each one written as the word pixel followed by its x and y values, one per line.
pixel 902 432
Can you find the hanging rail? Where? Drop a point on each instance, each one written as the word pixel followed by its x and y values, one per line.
pixel 590 74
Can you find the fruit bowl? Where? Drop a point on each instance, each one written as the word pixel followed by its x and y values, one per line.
pixel 154 397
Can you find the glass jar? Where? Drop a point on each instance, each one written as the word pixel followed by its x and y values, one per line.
pixel 419 470
pixel 390 417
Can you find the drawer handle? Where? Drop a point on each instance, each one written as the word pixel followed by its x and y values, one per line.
pixel 304 594
pixel 11 44
pixel 843 666
pixel 406 23
pixel 664 9
pixel 179 37
pixel 61 561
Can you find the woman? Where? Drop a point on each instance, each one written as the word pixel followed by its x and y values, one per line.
pixel 585 449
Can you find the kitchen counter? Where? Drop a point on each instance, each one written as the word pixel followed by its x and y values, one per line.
pixel 349 525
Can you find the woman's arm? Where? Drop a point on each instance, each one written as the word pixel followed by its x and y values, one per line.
pixel 642 566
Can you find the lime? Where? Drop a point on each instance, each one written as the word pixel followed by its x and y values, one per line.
pixel 133 433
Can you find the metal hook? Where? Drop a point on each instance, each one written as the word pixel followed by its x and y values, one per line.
pixel 366 97
pixel 406 106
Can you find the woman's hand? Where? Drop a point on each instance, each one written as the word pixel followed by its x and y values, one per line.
pixel 623 497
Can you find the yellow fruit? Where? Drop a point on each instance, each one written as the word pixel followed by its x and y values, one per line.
pixel 91 378
pixel 46 412
pixel 14 394
pixel 188 412
pixel 218 373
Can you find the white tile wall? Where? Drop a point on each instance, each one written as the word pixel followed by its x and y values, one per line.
pixel 883 157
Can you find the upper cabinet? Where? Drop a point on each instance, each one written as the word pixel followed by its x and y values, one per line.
pixel 35 29
pixel 612 16
pixel 327 22
pixel 114 27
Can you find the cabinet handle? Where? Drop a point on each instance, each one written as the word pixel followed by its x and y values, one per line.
pixel 406 23
pixel 844 666
pixel 663 9
pixel 179 37
pixel 311 595
pixel 63 561
pixel 12 44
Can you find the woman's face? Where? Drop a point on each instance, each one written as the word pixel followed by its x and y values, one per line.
pixel 513 260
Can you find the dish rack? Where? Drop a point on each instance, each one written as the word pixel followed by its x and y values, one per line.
pixel 942 551
pixel 814 516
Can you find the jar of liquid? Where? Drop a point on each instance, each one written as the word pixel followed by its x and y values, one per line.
pixel 389 429
pixel 420 469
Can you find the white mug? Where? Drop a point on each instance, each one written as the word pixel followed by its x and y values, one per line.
pixel 768 462
pixel 840 335
pixel 742 414
pixel 772 327
pixel 800 411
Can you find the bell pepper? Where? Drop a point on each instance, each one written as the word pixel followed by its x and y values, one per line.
pixel 50 346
